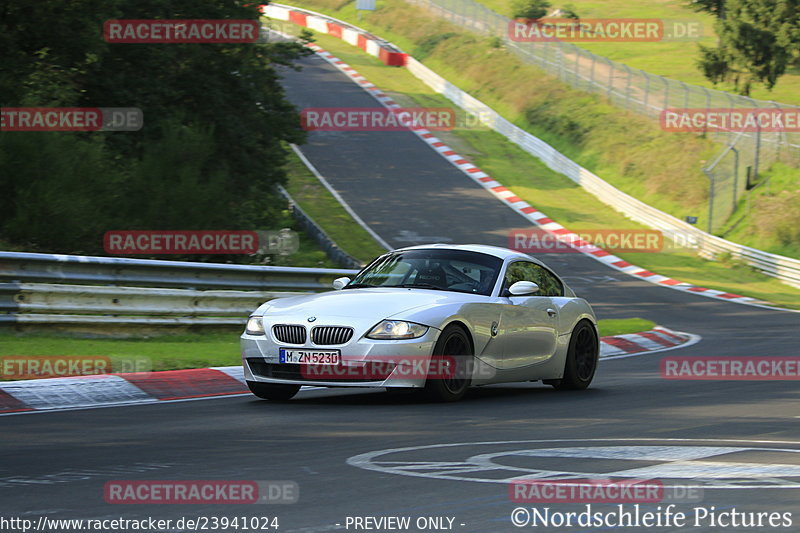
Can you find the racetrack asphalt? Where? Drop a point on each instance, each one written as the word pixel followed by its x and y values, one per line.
pixel 56 464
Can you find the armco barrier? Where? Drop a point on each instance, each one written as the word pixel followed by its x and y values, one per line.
pixel 374 46
pixel 82 304
pixel 65 289
pixel 785 269
pixel 316 232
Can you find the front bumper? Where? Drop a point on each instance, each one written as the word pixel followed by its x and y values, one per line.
pixel 261 362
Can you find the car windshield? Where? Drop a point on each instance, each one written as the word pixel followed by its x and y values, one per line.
pixel 447 270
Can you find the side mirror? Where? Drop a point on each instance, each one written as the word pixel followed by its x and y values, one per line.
pixel 339 283
pixel 523 288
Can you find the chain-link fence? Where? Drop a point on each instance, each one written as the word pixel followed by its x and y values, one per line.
pixel 644 93
pixel 725 186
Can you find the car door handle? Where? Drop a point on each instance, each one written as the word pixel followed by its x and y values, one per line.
pixel 551 312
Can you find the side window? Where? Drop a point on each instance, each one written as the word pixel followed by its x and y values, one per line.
pixel 548 284
pixel 514 273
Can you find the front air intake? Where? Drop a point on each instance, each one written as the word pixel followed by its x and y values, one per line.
pixel 331 335
pixel 290 333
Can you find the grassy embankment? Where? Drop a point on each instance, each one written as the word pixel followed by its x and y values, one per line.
pixel 676 60
pixel 552 193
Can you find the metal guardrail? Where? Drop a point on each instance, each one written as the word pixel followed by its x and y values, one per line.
pixel 709 246
pixel 643 93
pixel 316 232
pixel 785 269
pixel 67 289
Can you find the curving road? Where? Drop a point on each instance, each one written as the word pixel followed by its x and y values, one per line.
pixel 742 436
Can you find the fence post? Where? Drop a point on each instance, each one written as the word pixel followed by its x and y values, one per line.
pixel 710 198
pixel 627 85
pixel 685 95
pixel 559 59
pixel 757 153
pixel 732 103
pixel 735 177
pixel 545 55
pixel 780 137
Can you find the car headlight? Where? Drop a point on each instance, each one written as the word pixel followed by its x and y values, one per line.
pixel 397 329
pixel 255 326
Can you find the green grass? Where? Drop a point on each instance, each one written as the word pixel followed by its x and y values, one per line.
pixel 326 211
pixel 768 218
pixel 621 326
pixel 627 150
pixel 198 350
pixel 672 59
pixel 555 194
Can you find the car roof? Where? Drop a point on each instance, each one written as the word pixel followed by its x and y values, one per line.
pixel 496 251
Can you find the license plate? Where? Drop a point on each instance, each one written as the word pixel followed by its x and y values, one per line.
pixel 309 357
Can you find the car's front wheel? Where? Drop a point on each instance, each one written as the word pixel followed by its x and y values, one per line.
pixel 582 357
pixel 273 391
pixel 451 363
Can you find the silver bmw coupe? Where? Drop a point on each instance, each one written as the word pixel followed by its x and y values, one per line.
pixel 439 318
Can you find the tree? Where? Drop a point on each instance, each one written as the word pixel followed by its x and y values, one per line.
pixel 758 39
pixel 216 123
pixel 715 7
pixel 529 9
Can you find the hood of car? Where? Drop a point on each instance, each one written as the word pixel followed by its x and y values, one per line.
pixel 366 303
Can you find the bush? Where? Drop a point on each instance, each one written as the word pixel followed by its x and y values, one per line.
pixel 529 9
pixel 216 121
pixel 55 191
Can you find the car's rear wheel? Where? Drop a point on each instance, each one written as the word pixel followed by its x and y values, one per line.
pixel 582 356
pixel 273 391
pixel 451 364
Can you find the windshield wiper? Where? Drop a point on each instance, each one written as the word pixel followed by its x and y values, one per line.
pixel 419 286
